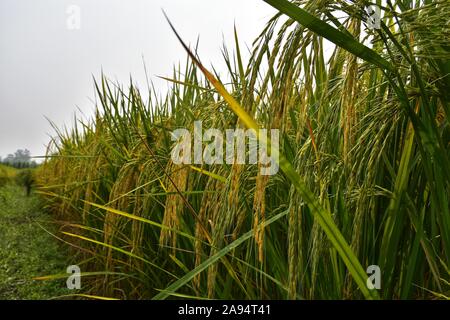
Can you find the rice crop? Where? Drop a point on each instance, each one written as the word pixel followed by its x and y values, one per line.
pixel 364 179
pixel 7 174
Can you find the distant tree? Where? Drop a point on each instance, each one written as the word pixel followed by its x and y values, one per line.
pixel 20 159
pixel 9 160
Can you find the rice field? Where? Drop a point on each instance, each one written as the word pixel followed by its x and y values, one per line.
pixel 364 144
pixel 6 174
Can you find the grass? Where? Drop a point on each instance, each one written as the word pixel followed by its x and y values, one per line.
pixel 6 174
pixel 26 250
pixel 364 148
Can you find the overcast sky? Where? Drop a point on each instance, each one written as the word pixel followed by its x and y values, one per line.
pixel 47 62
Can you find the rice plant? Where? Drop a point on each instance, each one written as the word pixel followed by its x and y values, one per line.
pixel 364 159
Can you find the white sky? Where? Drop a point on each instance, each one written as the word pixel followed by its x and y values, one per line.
pixel 46 69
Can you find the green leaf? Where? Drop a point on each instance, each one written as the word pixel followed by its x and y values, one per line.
pixel 213 259
pixel 323 29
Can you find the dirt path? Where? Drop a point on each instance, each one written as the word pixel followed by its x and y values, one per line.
pixel 27 250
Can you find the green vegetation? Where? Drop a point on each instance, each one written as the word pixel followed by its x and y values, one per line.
pixel 20 159
pixel 25 178
pixel 27 250
pixel 7 174
pixel 364 158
